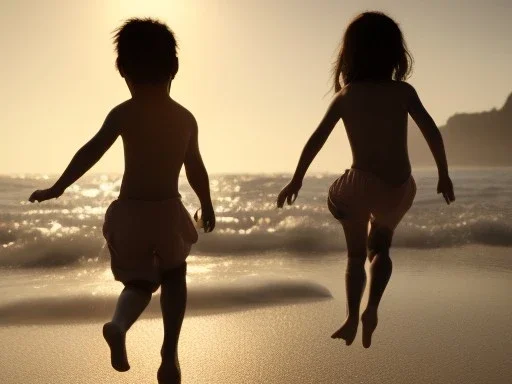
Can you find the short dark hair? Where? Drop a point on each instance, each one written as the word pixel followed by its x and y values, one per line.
pixel 146 51
pixel 373 48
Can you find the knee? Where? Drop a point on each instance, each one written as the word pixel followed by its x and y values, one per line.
pixel 356 261
pixel 379 241
pixel 146 287
pixel 175 274
pixel 356 256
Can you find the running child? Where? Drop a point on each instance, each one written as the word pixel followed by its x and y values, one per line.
pixel 148 230
pixel 374 104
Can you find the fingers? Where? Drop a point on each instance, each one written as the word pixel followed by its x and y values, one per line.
pixel 208 220
pixel 449 197
pixel 291 198
pixel 448 194
pixel 41 195
pixel 209 225
pixel 34 197
pixel 452 195
pixel 280 200
pixel 446 198
pixel 282 197
pixel 286 196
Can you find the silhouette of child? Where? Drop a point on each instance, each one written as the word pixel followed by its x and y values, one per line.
pixel 378 189
pixel 148 230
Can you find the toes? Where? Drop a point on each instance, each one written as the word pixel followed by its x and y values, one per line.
pixel 336 335
pixel 367 340
pixel 369 321
pixel 346 333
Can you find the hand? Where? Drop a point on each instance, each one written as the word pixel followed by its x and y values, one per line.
pixel 445 187
pixel 207 219
pixel 45 194
pixel 289 193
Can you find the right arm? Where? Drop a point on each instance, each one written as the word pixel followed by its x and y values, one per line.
pixel 84 159
pixel 311 149
pixel 198 179
pixel 434 140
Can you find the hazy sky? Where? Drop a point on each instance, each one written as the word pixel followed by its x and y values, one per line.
pixel 254 72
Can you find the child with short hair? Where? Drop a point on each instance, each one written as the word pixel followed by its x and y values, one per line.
pixel 379 188
pixel 148 230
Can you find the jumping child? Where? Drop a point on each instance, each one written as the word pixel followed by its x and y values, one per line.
pixel 379 189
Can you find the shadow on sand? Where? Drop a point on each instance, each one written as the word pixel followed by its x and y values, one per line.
pixel 202 300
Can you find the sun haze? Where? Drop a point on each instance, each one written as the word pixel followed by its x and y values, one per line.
pixel 255 74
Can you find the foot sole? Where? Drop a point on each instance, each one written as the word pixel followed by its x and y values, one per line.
pixel 115 339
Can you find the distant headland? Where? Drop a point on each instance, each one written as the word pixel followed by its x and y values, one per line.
pixel 471 139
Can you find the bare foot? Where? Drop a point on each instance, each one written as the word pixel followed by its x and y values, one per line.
pixel 169 374
pixel 369 321
pixel 347 331
pixel 115 339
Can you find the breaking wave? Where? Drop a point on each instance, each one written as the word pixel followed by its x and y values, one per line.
pixel 67 231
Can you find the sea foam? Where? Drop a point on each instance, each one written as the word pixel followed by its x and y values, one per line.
pixel 67 231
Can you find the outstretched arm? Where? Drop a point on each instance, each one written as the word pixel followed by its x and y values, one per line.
pixel 198 179
pixel 83 160
pixel 311 149
pixel 434 140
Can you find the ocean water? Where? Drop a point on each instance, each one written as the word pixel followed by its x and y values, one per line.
pixel 67 231
pixel 265 289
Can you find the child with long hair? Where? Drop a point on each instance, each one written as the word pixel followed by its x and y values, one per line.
pixel 378 189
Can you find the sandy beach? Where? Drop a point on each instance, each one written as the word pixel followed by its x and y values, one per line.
pixel 443 320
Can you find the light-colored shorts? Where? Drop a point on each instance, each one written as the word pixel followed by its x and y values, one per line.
pixel 147 238
pixel 361 196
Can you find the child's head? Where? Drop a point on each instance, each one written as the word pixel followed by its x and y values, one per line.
pixel 373 48
pixel 146 51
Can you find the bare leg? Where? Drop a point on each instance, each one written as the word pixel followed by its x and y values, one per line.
pixel 381 268
pixel 355 278
pixel 173 300
pixel 130 305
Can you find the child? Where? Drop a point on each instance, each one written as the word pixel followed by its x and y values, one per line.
pixel 148 231
pixel 378 189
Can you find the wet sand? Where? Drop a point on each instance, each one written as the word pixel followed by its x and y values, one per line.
pixel 443 320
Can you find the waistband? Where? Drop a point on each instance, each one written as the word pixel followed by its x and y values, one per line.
pixel 378 179
pixel 172 199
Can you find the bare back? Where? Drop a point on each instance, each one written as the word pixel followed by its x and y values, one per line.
pixel 375 118
pixel 156 136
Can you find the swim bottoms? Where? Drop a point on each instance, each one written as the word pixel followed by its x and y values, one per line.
pixel 147 238
pixel 361 196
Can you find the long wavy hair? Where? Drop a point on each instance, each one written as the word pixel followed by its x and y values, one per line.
pixel 373 48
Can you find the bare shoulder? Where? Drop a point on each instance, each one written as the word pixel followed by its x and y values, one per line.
pixel 404 86
pixel 116 117
pixel 406 89
pixel 341 97
pixel 120 112
pixel 121 109
pixel 186 118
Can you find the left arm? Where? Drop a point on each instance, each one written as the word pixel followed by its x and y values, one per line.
pixel 83 160
pixel 311 149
